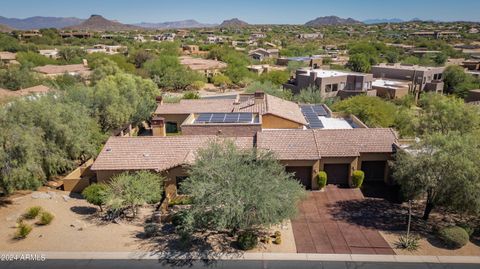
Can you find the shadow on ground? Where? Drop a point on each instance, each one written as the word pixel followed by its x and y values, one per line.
pixel 83 210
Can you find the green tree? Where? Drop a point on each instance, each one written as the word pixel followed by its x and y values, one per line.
pixel 310 95
pixel 30 58
pixel 373 111
pixel 225 183
pixel 277 77
pixel 440 58
pixel 269 88
pixel 130 190
pixel 167 72
pixel 96 194
pixel 359 63
pixel 16 78
pixel 221 80
pixel 442 114
pixel 458 82
pixel 445 169
pixel 72 55
pixel 104 67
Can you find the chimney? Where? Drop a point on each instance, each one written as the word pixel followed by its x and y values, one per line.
pixel 259 97
pixel 159 100
pixel 158 126
pixel 85 62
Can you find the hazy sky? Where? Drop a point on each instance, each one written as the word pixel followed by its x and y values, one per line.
pixel 252 11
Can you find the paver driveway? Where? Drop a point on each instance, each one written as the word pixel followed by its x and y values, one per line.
pixel 317 231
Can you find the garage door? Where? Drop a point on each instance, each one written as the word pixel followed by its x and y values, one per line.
pixel 374 170
pixel 303 174
pixel 337 173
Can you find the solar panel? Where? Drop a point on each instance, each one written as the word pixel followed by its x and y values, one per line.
pixel 232 117
pixel 245 117
pixel 320 110
pixel 204 118
pixel 217 118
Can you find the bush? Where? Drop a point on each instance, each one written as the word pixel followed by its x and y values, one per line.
pixel 45 218
pixel 197 85
pixel 454 237
pixel 23 230
pixel 247 240
pixel 410 243
pixel 469 229
pixel 181 200
pixel 32 212
pixel 96 194
pixel 191 95
pixel 150 229
pixel 322 179
pixel 357 178
pixel 278 238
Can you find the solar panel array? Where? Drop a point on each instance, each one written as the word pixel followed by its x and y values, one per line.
pixel 224 118
pixel 311 113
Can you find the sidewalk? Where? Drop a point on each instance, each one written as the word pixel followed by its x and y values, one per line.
pixel 251 257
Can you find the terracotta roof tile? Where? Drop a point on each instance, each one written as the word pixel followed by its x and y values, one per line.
pixel 187 106
pixel 154 153
pixel 289 144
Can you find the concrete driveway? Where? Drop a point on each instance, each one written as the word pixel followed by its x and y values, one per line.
pixel 316 230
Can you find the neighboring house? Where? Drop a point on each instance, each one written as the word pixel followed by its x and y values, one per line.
pixel 213 39
pixel 165 37
pixel 332 83
pixel 314 61
pixel 422 78
pixel 262 54
pixel 35 90
pixel 50 53
pixel 81 70
pixel 310 36
pixel 192 50
pixel 76 34
pixel 436 34
pixel 205 66
pixel 8 58
pixel 264 68
pixel 391 89
pixel 255 36
pixel 107 49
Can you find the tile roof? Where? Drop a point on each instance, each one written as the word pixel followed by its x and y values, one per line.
pixel 39 89
pixel 154 153
pixel 187 106
pixel 60 69
pixel 6 55
pixel 319 143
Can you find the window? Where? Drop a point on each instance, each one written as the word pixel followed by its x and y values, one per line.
pixel 328 88
pixel 178 183
pixel 171 127
pixel 334 87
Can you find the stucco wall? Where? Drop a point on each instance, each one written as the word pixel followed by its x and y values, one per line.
pixel 273 122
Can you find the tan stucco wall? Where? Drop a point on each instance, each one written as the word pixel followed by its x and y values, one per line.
pixel 273 122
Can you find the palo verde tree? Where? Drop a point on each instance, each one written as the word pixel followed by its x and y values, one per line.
pixel 444 169
pixel 239 190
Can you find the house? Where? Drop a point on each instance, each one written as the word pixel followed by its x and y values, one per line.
pixel 107 49
pixel 8 58
pixel 264 68
pixel 50 53
pixel 332 83
pixel 422 78
pixel 314 61
pixel 165 37
pixel 310 36
pixel 76 34
pixel 81 70
pixel 255 36
pixel 213 39
pixel 35 90
pixel 391 89
pixel 205 66
pixel 192 50
pixel 262 54
pixel 436 34
pixel 303 152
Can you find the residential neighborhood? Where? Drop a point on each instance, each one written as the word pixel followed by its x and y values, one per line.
pixel 310 140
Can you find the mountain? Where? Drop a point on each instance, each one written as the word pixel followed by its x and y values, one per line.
pixel 99 23
pixel 5 29
pixel 175 24
pixel 378 21
pixel 331 20
pixel 233 23
pixel 39 22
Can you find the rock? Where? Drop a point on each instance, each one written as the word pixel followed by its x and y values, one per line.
pixel 41 195
pixel 66 198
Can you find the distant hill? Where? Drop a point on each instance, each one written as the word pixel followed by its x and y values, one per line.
pixel 39 22
pixel 331 20
pixel 378 21
pixel 175 24
pixel 99 23
pixel 5 29
pixel 233 23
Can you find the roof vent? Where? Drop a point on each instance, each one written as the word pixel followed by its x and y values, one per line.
pixel 108 149
pixel 146 155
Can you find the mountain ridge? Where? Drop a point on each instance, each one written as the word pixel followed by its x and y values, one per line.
pixel 331 20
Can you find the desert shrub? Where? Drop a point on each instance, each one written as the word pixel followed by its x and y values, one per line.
pixel 197 85
pixel 96 194
pixel 322 179
pixel 410 243
pixel 23 230
pixel 45 218
pixel 150 229
pixel 191 95
pixel 181 200
pixel 182 221
pixel 357 178
pixel 468 228
pixel 454 237
pixel 247 240
pixel 278 238
pixel 32 212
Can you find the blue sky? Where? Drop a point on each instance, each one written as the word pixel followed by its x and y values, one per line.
pixel 252 11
